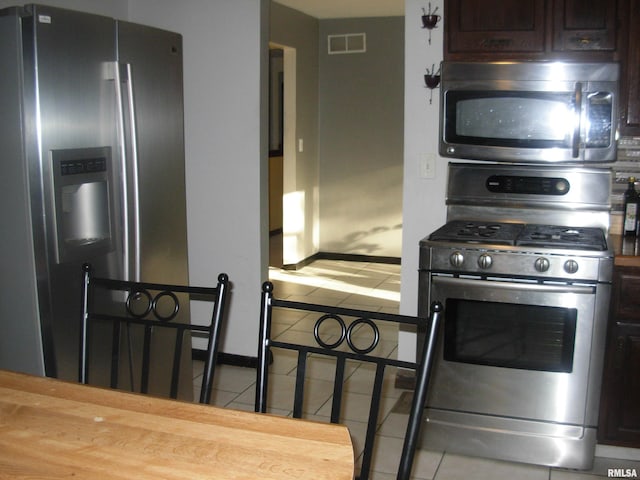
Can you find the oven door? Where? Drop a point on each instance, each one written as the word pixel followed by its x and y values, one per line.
pixel 514 349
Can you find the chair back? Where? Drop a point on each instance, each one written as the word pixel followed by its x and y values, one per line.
pixel 348 336
pixel 134 335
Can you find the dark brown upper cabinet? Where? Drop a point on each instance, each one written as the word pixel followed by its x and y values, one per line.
pixel 494 27
pixel 580 30
pixel 629 45
pixel 584 25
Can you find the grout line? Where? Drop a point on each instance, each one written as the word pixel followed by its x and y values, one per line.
pixel 435 474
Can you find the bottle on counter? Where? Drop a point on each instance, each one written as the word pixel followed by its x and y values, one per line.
pixel 631 210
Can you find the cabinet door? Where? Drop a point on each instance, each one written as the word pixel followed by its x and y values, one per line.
pixel 494 26
pixel 629 41
pixel 619 422
pixel 620 409
pixel 584 25
pixel 625 296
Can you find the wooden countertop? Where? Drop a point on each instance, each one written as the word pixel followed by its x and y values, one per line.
pixel 55 429
pixel 626 250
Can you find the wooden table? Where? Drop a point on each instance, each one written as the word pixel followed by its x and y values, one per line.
pixel 55 429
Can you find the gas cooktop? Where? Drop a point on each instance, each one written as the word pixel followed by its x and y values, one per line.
pixel 520 234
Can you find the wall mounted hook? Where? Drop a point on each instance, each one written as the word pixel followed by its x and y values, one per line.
pixel 430 19
pixel 432 81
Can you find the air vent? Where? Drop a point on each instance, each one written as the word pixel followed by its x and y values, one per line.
pixel 347 43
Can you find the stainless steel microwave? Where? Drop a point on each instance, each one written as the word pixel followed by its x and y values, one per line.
pixel 529 112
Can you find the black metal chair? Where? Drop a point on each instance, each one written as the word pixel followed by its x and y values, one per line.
pixel 352 326
pixel 142 331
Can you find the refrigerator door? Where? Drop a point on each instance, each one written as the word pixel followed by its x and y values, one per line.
pixel 69 115
pixel 72 118
pixel 152 102
pixel 151 66
pixel 20 340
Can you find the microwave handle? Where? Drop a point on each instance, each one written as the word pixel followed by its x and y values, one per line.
pixel 576 123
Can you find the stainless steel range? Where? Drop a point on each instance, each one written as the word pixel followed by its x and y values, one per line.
pixel 523 269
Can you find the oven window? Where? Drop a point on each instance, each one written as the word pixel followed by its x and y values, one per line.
pixel 530 337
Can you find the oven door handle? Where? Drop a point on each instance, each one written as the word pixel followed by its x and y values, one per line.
pixel 499 285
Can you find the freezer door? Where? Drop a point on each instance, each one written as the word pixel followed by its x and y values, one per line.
pixel 69 105
pixel 20 340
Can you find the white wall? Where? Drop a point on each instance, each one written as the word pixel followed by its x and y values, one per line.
pixel 423 208
pixel 360 138
pixel 225 79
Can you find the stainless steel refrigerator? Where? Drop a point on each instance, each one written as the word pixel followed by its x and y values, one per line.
pixel 92 158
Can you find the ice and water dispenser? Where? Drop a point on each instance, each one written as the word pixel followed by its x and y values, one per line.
pixel 83 202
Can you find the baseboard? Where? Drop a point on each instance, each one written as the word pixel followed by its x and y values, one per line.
pixel 405 379
pixel 302 263
pixel 227 358
pixel 347 257
pixel 619 453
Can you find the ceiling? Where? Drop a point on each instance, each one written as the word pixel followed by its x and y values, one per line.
pixel 323 9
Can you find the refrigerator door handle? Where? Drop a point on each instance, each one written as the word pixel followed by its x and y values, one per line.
pixel 124 195
pixel 130 172
pixel 135 194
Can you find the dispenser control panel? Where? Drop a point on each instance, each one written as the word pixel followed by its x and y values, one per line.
pixel 83 165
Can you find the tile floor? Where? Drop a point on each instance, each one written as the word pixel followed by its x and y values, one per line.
pixel 374 287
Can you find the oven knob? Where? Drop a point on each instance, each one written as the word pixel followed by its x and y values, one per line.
pixel 571 266
pixel 541 264
pixel 485 261
pixel 456 259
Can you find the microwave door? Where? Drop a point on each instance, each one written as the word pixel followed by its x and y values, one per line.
pixel 524 123
pixel 529 112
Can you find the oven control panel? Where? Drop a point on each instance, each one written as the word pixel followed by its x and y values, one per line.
pixel 531 185
pixel 513 263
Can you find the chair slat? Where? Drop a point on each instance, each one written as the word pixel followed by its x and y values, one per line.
pixel 372 424
pixel 115 354
pixel 299 390
pixel 338 381
pixel 146 359
pixel 177 358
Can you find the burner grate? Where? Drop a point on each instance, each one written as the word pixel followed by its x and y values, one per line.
pixel 518 234
pixel 478 232
pixel 562 237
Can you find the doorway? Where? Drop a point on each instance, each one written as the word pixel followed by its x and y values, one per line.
pixel 276 130
pixel 282 151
